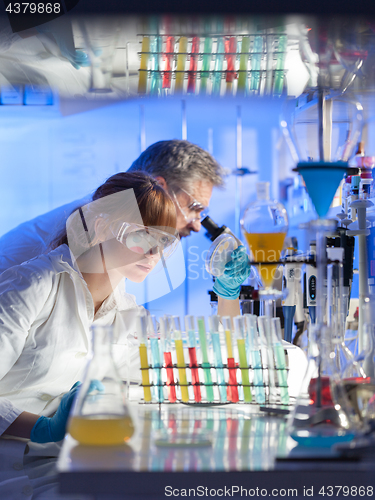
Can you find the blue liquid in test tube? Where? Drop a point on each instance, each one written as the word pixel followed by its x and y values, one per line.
pixel 155 354
pixel 255 361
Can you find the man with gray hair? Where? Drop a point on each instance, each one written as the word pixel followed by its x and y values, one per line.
pixel 184 170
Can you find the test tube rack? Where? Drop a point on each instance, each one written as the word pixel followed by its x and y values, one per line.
pixel 205 386
pixel 215 64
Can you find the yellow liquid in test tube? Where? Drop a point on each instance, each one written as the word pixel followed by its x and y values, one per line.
pixel 142 82
pixel 181 59
pixel 145 374
pixel 228 341
pixel 266 247
pixel 95 430
pixel 182 371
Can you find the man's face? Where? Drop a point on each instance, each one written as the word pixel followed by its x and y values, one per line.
pixel 200 192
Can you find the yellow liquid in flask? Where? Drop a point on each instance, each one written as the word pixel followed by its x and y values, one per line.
pixel 266 247
pixel 96 430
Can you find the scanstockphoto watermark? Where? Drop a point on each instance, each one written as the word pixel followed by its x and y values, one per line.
pixel 27 15
pixel 230 491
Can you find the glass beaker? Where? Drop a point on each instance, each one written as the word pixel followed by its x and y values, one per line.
pixel 100 415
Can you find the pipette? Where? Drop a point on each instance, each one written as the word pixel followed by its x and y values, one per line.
pixel 180 359
pixel 239 329
pixel 181 59
pixel 280 361
pixel 166 346
pixel 255 357
pixel 205 362
pixel 155 356
pixel 168 61
pixel 145 56
pixel 142 335
pixel 213 322
pixel 231 363
pixel 230 56
pixel 289 303
pixel 242 75
pixel 190 328
pixel 192 76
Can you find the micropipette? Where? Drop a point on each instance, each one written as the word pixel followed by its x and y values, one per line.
pixel 231 363
pixel 289 303
pixel 213 322
pixel 239 329
pixel 165 339
pixel 180 358
pixel 142 335
pixel 155 356
pixel 190 328
pixel 255 357
pixel 192 75
pixel 205 362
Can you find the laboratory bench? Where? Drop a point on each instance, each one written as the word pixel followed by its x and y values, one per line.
pixel 218 450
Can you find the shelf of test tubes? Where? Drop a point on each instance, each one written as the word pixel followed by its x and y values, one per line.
pixel 239 361
pixel 244 64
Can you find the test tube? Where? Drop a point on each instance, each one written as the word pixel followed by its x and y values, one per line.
pixel 190 328
pixel 239 329
pixel 181 365
pixel 145 56
pixel 244 57
pixel 205 362
pixel 181 59
pixel 230 56
pixel 256 59
pixel 207 55
pixel 142 335
pixel 192 75
pixel 155 356
pixel 264 326
pixel 216 84
pixel 155 86
pixel 166 346
pixel 233 388
pixel 213 322
pixel 280 360
pixel 278 84
pixel 255 357
pixel 168 61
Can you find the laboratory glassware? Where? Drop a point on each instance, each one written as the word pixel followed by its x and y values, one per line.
pixel 213 322
pixel 156 360
pixel 192 346
pixel 255 357
pixel 181 365
pixel 232 369
pixel 166 347
pixel 205 359
pixel 240 332
pixel 142 328
pixel 100 415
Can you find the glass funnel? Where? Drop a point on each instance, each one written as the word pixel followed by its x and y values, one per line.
pixel 100 415
pixel 265 225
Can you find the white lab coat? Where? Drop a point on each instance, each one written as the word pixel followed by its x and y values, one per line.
pixel 46 311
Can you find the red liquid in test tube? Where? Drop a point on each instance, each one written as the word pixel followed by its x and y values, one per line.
pixel 194 374
pixel 168 60
pixel 233 380
pixel 230 55
pixel 170 377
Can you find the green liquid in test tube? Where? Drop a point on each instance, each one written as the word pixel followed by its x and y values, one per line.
pixel 213 322
pixel 255 358
pixel 155 355
pixel 205 362
pixel 181 365
pixel 156 82
pixel 216 84
pixel 207 55
pixel 256 59
pixel 280 361
pixel 242 75
pixel 240 335
pixel 279 73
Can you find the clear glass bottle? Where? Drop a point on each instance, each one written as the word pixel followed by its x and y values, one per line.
pixel 100 415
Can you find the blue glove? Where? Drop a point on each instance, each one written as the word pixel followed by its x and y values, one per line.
pixel 47 429
pixel 228 285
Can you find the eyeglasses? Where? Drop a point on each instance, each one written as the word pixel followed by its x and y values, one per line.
pixel 145 240
pixel 195 206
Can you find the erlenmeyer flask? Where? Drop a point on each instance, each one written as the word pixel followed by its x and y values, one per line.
pixel 322 414
pixel 100 415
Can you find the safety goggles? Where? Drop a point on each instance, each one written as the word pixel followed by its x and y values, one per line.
pixel 197 211
pixel 146 240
